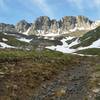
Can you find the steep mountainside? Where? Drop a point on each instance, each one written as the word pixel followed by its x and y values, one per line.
pixel 7 28
pixel 22 26
pixel 68 24
pixel 90 37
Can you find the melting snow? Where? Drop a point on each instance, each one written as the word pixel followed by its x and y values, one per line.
pixel 61 49
pixel 4 45
pixel 5 33
pixel 74 43
pixel 69 38
pixel 24 39
pixel 95 44
pixel 65 48
pixel 5 40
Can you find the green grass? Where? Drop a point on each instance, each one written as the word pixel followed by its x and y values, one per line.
pixel 98 98
pixel 88 38
pixel 91 51
pixel 15 53
pixel 13 41
pixel 97 67
pixel 24 71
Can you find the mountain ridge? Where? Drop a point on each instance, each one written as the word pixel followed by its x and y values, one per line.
pixel 44 25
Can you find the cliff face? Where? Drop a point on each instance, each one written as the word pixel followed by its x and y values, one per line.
pixel 22 26
pixel 7 28
pixel 65 25
pixel 44 25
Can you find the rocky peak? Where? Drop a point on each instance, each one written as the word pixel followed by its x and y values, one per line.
pixel 54 26
pixel 83 22
pixel 22 26
pixel 42 23
pixel 7 27
pixel 45 25
pixel 68 22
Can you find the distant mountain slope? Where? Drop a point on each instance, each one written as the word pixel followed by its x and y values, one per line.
pixel 20 41
pixel 43 25
pixel 68 35
pixel 88 38
pixel 88 41
pixel 12 40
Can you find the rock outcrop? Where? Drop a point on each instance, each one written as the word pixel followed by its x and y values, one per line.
pixel 7 28
pixel 22 26
pixel 44 25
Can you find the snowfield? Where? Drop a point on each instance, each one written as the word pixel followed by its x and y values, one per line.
pixel 65 48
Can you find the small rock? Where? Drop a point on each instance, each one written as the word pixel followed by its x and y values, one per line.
pixel 2 73
pixel 96 90
pixel 60 92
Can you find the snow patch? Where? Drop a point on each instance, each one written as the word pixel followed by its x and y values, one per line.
pixel 95 44
pixel 26 33
pixel 74 43
pixel 24 40
pixel 4 45
pixel 65 48
pixel 61 49
pixel 5 40
pixel 69 38
pixel 5 33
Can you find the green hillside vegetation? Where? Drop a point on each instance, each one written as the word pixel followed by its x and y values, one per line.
pixel 90 51
pixel 22 72
pixel 12 41
pixel 89 38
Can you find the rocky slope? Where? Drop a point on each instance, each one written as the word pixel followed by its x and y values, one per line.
pixel 7 28
pixel 22 26
pixel 48 75
pixel 43 25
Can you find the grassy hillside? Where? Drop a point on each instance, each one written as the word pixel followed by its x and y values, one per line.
pixel 22 72
pixel 89 38
pixel 91 51
pixel 11 40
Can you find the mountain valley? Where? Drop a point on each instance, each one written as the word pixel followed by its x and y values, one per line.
pixel 50 59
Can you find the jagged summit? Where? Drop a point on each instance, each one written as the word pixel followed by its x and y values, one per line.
pixel 22 26
pixel 43 25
